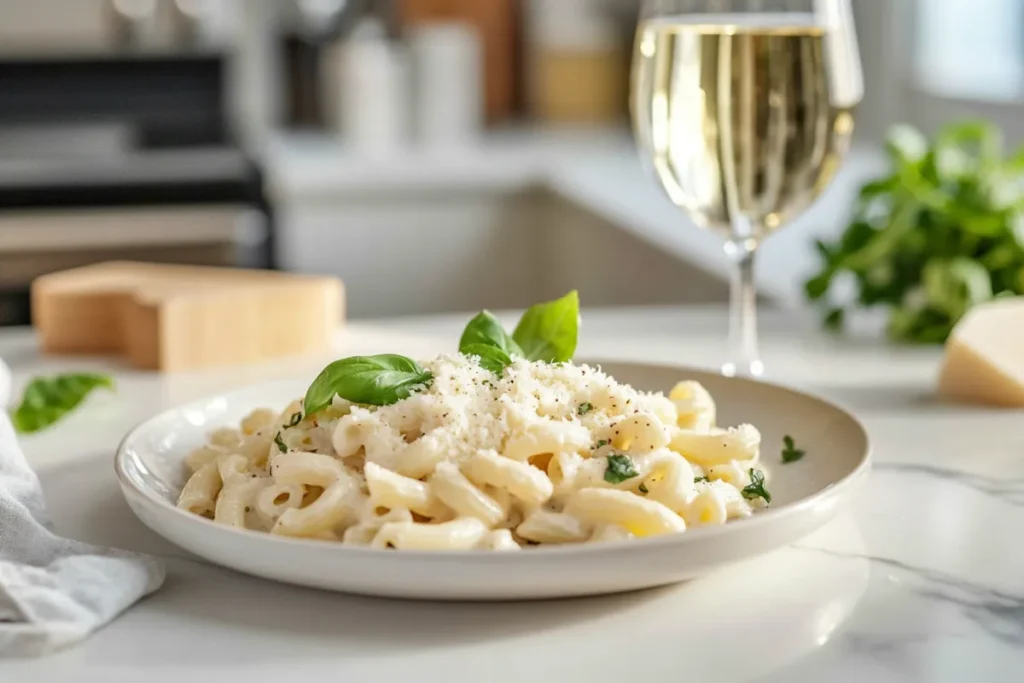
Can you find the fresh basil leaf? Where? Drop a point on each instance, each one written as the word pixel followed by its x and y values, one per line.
pixel 485 329
pixel 1017 233
pixel 491 357
pixel 834 320
pixel 817 286
pixel 47 399
pixel 620 468
pixel 979 141
pixel 371 380
pixel 954 285
pixel 756 489
pixel 549 331
pixel 945 221
pixel 906 144
pixel 877 188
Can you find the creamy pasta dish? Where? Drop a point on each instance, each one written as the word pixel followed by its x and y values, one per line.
pixel 464 453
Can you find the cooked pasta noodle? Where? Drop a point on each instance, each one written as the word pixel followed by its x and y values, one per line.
pixel 544 454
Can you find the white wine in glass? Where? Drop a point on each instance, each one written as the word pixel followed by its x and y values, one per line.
pixel 745 114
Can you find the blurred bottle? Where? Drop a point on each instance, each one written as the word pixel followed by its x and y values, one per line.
pixel 205 24
pixel 576 72
pixel 371 101
pixel 496 23
pixel 447 76
pixel 142 24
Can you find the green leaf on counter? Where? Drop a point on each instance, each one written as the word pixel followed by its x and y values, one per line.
pixel 48 399
pixel 371 380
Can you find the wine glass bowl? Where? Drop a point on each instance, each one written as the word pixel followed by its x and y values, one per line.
pixel 744 115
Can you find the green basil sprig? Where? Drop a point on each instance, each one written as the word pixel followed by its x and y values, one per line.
pixel 550 331
pixel 546 332
pixel 491 357
pixel 940 232
pixel 485 330
pixel 486 338
pixel 48 399
pixel 371 380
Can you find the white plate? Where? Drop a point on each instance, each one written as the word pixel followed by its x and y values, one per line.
pixel 805 495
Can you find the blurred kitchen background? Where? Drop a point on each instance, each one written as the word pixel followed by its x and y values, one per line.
pixel 437 155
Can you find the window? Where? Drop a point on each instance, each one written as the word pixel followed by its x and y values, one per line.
pixel 970 49
pixel 928 62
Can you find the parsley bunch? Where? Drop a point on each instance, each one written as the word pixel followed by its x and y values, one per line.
pixel 941 233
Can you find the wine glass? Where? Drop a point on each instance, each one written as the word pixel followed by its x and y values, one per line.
pixel 744 109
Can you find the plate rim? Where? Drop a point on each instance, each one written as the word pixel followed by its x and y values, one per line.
pixel 652 543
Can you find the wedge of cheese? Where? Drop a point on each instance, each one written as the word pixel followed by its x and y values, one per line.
pixel 984 361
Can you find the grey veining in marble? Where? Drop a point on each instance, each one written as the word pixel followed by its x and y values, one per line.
pixel 1010 490
pixel 1000 613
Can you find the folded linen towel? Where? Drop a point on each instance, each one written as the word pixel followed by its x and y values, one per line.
pixel 54 591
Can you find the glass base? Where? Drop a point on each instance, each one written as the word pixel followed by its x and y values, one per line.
pixel 752 369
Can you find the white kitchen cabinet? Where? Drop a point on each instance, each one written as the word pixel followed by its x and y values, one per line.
pixel 420 253
pixel 434 252
pixel 521 218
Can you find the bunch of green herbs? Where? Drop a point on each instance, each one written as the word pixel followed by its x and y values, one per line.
pixel 944 231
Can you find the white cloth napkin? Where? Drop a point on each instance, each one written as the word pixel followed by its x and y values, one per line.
pixel 54 591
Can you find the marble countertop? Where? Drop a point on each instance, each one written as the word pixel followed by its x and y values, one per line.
pixel 922 579
pixel 598 169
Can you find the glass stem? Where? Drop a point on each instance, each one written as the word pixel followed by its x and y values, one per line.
pixel 746 360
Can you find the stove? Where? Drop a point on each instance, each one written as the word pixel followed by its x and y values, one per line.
pixel 121 156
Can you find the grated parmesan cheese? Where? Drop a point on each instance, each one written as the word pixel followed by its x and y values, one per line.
pixel 467 408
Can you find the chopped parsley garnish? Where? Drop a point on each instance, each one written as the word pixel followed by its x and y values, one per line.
pixel 280 443
pixel 756 487
pixel 601 443
pixel 643 489
pixel 620 468
pixel 584 408
pixel 697 480
pixel 296 419
pixel 790 453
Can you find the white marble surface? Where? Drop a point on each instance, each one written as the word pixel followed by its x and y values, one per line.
pixel 922 580
pixel 598 169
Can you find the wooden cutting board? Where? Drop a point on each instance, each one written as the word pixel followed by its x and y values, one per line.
pixel 172 318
